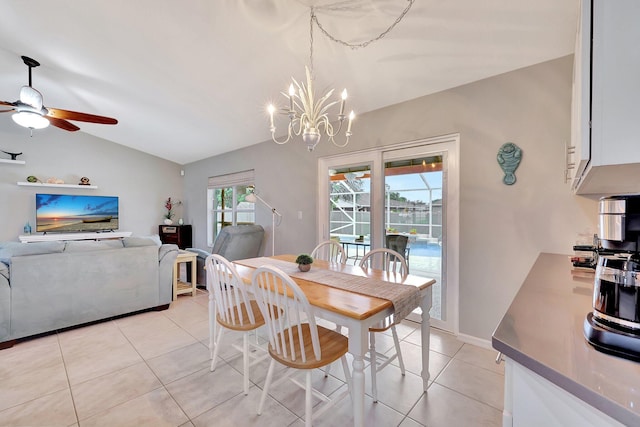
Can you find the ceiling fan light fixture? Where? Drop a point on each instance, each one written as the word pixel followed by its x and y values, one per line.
pixel 30 120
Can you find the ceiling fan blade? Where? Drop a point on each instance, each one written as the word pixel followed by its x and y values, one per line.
pixel 57 113
pixel 62 124
pixel 11 104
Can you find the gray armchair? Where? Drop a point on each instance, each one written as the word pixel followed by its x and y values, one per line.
pixel 233 242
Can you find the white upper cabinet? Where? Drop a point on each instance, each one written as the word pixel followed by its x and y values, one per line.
pixel 579 152
pixel 607 95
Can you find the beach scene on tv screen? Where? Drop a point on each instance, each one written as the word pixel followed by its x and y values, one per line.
pixel 64 213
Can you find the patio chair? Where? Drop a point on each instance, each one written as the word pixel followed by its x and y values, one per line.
pixel 294 338
pixel 388 260
pixel 331 251
pixel 400 244
pixel 230 306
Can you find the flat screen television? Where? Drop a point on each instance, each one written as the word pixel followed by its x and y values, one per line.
pixel 69 213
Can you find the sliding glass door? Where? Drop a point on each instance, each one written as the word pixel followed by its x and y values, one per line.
pixel 407 193
pixel 346 204
pixel 413 214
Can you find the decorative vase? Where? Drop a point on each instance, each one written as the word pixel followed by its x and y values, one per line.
pixel 304 267
pixel 168 221
pixel 180 221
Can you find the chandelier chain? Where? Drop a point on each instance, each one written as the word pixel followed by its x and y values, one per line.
pixel 314 18
pixel 313 15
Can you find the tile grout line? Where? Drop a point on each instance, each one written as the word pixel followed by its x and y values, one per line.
pixel 116 371
pixel 471 398
pixel 66 373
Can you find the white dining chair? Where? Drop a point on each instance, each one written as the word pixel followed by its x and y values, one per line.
pixel 331 251
pixel 390 261
pixel 231 308
pixel 294 338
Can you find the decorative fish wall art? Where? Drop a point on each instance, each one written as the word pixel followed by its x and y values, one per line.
pixel 509 156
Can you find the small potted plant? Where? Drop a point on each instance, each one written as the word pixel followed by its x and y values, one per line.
pixel 304 262
pixel 169 205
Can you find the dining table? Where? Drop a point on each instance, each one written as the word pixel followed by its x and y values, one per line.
pixel 355 308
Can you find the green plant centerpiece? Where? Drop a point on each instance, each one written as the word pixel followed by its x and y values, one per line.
pixel 304 262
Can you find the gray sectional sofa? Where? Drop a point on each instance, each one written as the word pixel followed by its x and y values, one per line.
pixel 46 286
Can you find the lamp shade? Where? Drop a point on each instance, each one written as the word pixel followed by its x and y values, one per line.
pixel 30 120
pixel 251 198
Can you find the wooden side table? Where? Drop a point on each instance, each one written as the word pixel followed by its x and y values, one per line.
pixel 180 287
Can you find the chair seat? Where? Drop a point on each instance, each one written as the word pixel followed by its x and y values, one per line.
pixel 247 326
pixel 333 345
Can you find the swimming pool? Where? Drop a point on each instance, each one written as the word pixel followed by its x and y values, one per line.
pixel 425 249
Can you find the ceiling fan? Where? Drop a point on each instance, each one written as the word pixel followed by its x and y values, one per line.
pixel 31 113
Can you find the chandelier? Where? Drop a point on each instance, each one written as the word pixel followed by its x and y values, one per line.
pixel 309 113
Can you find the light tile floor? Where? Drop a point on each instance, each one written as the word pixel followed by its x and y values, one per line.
pixel 152 369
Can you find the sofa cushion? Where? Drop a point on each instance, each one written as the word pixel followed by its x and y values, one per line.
pixel 135 241
pixel 11 249
pixel 90 245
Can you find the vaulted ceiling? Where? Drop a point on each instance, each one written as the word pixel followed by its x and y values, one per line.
pixel 190 79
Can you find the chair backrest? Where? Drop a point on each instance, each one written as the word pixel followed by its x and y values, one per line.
pixel 331 251
pixel 236 242
pixel 397 242
pixel 229 292
pixel 288 316
pixel 385 259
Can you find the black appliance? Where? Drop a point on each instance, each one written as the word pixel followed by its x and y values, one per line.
pixel 614 324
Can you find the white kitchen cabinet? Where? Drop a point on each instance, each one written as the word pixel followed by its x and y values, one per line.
pixel 606 94
pixel 532 401
pixel 578 152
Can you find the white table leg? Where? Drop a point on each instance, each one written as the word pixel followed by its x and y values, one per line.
pixel 425 334
pixel 357 380
pixel 358 345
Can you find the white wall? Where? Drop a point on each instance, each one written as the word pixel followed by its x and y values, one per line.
pixel 503 228
pixel 141 181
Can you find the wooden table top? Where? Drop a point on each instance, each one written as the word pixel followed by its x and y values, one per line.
pixel 350 304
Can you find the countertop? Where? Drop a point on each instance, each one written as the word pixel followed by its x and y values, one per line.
pixel 543 331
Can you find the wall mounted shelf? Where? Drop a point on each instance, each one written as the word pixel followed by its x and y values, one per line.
pixel 46 184
pixel 15 162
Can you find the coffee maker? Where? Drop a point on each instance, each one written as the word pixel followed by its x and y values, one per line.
pixel 614 324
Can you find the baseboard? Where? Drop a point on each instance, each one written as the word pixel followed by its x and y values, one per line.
pixel 7 344
pixel 470 339
pixel 161 307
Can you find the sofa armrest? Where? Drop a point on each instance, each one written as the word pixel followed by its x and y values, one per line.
pixel 5 307
pixel 201 253
pixel 4 270
pixel 167 255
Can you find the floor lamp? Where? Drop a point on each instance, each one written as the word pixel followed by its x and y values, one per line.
pixel 252 197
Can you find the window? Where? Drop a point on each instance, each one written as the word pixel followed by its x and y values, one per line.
pixel 226 203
